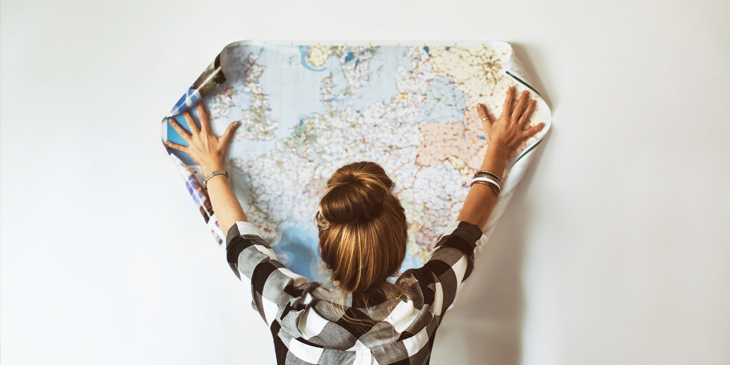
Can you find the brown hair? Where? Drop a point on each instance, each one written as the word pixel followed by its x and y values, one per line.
pixel 362 230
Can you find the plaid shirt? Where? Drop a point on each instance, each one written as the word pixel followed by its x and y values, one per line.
pixel 307 331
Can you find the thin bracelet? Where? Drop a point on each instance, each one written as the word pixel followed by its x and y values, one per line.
pixel 216 172
pixel 495 186
pixel 487 180
pixel 488 173
pixel 494 189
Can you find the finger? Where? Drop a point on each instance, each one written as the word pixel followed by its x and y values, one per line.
pixel 228 134
pixel 203 116
pixel 525 118
pixel 507 107
pixel 487 131
pixel 191 123
pixel 176 146
pixel 180 130
pixel 530 132
pixel 521 105
pixel 483 114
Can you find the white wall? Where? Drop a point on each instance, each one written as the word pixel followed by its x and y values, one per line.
pixel 615 249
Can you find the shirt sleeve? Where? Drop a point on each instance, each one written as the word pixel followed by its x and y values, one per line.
pixel 450 263
pixel 273 286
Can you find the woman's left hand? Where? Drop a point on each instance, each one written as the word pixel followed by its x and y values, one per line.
pixel 204 147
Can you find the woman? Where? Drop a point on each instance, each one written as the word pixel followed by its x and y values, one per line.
pixel 363 318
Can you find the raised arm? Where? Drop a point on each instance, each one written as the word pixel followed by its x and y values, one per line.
pixel 253 261
pixel 504 135
pixel 208 151
pixel 452 259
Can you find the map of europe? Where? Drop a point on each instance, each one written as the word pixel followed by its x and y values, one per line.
pixel 307 110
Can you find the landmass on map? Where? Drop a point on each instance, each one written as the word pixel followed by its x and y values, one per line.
pixel 306 111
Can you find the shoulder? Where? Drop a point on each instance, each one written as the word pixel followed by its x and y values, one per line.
pixel 253 261
pixel 447 266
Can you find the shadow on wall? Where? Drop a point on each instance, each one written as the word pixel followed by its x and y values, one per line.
pixel 485 325
pixel 530 70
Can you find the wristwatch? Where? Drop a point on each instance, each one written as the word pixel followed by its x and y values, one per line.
pixel 216 172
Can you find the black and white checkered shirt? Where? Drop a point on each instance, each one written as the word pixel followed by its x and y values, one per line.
pixel 307 331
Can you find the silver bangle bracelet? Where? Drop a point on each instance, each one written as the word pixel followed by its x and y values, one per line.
pixel 216 172
pixel 494 188
pixel 491 186
pixel 487 180
pixel 494 185
pixel 487 174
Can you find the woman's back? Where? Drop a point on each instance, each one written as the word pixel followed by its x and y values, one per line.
pixel 363 234
pixel 307 331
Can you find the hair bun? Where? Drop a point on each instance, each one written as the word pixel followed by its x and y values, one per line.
pixel 356 193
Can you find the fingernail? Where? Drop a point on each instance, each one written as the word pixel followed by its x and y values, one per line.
pixel 169 120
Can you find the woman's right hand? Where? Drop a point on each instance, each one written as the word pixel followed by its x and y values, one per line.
pixel 512 128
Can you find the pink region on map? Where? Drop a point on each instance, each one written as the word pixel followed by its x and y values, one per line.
pixel 464 139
